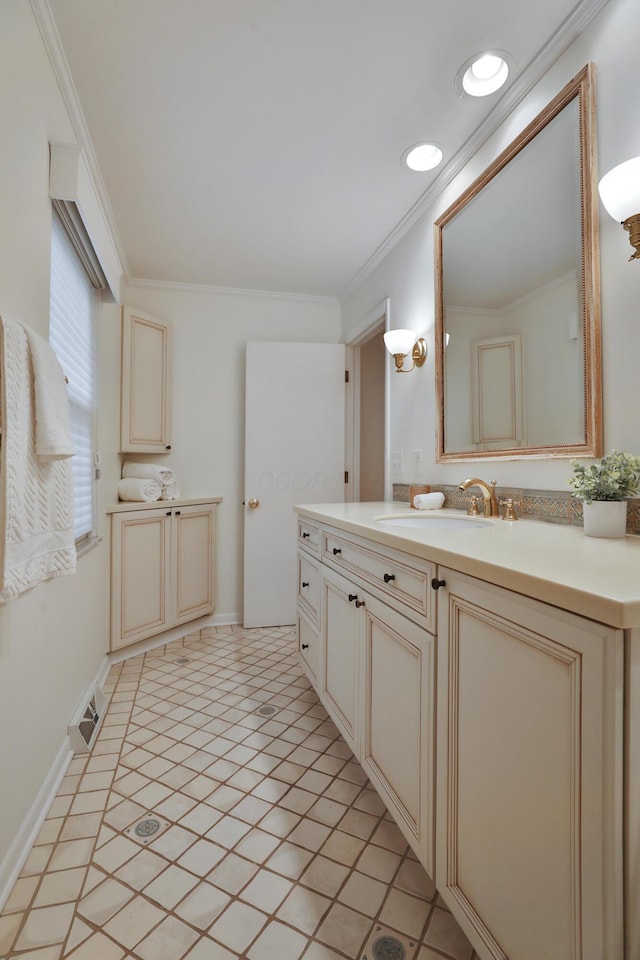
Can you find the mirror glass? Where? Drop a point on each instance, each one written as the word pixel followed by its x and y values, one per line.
pixel 517 296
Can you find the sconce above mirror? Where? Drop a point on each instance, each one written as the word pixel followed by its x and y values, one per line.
pixel 518 296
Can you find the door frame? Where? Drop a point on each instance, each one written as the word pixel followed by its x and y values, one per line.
pixel 376 321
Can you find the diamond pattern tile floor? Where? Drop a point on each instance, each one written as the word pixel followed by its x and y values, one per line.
pixel 270 841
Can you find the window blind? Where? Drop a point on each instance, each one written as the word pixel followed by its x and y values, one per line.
pixel 72 335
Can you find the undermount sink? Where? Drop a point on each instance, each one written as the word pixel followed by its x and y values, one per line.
pixel 432 519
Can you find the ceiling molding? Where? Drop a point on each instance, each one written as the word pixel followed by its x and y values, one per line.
pixel 231 291
pixel 53 45
pixel 574 24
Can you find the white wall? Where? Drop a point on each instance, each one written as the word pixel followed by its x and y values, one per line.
pixel 210 332
pixel 52 639
pixel 406 275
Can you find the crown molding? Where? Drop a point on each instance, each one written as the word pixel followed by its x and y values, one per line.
pixel 53 45
pixel 230 291
pixel 573 25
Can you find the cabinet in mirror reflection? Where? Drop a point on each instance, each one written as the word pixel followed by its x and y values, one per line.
pixel 518 295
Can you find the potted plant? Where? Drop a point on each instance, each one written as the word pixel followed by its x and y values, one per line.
pixel 604 488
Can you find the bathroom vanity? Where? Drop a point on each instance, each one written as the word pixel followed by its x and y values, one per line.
pixel 482 671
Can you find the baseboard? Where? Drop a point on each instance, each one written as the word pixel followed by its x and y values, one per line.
pixel 21 847
pixel 176 633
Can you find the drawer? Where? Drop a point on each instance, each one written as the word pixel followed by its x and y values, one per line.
pixel 397 578
pixel 309 536
pixel 309 587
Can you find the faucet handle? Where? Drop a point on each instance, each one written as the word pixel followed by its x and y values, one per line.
pixel 473 510
pixel 510 512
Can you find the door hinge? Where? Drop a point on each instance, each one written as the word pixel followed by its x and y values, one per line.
pixel 346 476
pixel 346 376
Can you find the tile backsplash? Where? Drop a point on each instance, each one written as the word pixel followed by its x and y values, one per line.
pixel 550 506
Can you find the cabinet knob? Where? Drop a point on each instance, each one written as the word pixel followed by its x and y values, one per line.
pixel 177 513
pixel 352 597
pixel 168 513
pixel 336 551
pixel 436 584
pixel 305 646
pixel 305 535
pixel 359 603
pixel 388 577
pixel 168 446
pixel 305 583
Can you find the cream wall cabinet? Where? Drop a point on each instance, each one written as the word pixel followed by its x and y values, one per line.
pixel 162 567
pixel 145 409
pixel 529 796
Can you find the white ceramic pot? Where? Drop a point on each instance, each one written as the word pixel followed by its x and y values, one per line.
pixel 605 518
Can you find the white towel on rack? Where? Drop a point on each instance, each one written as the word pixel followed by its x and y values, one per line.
pixel 36 496
pixel 53 427
pixel 139 488
pixel 171 491
pixel 148 471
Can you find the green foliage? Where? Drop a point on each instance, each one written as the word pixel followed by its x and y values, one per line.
pixel 615 477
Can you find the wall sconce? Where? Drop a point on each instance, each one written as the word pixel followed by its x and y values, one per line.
pixel 400 343
pixel 620 194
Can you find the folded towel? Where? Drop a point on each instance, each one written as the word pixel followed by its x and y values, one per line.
pixel 148 471
pixel 171 491
pixel 53 428
pixel 139 488
pixel 428 501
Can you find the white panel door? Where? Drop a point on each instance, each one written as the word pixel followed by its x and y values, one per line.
pixel 294 453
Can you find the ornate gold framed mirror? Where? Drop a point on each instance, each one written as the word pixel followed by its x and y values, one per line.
pixel 518 357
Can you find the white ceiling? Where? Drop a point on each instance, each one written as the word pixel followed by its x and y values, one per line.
pixel 256 144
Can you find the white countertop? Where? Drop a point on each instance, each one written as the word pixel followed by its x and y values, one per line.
pixel 555 563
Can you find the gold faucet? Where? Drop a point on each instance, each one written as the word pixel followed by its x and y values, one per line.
pixel 490 503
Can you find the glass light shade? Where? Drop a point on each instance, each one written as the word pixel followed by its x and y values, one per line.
pixel 485 75
pixel 620 190
pixel 399 341
pixel 424 156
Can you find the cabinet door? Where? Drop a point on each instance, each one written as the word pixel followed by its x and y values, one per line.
pixel 399 721
pixel 145 386
pixel 308 647
pixel 529 759
pixel 193 561
pixel 140 552
pixel 341 655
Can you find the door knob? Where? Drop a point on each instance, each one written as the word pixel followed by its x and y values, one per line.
pixel 253 504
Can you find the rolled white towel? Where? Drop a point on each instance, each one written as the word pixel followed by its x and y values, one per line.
pixel 171 491
pixel 139 488
pixel 428 501
pixel 148 471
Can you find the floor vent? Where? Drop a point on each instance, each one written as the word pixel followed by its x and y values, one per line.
pixel 182 660
pixel 384 944
pixel 266 711
pixel 83 731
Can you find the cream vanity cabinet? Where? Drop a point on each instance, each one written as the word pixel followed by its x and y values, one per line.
pixel 145 407
pixel 528 774
pixel 374 669
pixel 162 566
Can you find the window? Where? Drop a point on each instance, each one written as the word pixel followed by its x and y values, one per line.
pixel 72 335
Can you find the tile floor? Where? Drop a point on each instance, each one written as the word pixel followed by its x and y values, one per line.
pixel 269 842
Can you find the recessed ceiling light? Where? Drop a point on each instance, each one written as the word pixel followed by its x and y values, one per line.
pixel 422 156
pixel 483 73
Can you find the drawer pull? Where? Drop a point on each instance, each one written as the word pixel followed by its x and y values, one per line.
pixel 168 513
pixel 305 535
pixel 359 603
pixel 352 597
pixel 436 584
pixel 388 577
pixel 305 583
pixel 305 646
pixel 336 550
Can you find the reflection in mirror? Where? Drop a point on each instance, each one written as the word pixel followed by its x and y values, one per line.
pixel 517 301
